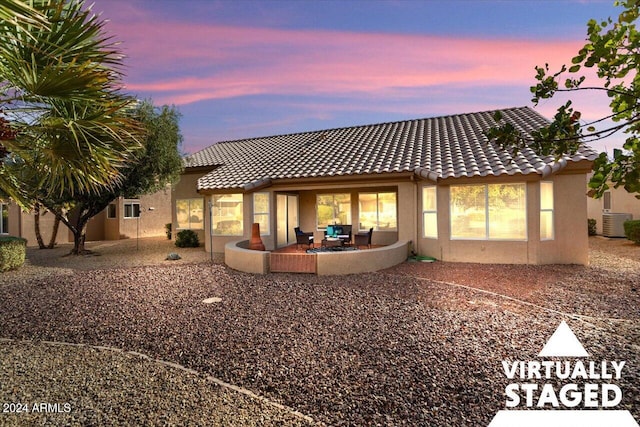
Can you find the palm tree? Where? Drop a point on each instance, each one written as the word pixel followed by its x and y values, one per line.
pixel 61 100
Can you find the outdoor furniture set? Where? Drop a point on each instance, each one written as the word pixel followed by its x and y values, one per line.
pixel 335 236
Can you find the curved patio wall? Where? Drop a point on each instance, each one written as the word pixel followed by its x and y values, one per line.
pixel 238 257
pixel 365 261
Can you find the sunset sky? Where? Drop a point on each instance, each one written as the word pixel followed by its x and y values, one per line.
pixel 239 69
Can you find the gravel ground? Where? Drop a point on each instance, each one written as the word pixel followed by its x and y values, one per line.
pixel 419 344
pixel 102 387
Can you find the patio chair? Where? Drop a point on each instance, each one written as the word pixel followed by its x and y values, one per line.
pixel 303 238
pixel 362 239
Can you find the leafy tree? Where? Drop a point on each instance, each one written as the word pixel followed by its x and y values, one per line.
pixel 613 51
pixel 150 170
pixel 60 99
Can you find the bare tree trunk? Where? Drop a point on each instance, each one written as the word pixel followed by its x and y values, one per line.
pixel 54 233
pixel 36 221
pixel 79 231
pixel 79 237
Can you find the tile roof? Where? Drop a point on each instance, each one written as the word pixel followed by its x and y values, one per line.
pixel 435 148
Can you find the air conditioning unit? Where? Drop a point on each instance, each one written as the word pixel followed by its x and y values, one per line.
pixel 613 224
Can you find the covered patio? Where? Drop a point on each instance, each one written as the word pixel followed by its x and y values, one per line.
pixel 297 260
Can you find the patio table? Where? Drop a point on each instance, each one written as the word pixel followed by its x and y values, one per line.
pixel 331 242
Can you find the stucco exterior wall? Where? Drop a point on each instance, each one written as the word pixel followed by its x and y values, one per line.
pixel 355 262
pixel 15 222
pixel 571 241
pixel 238 257
pixel 155 212
pixel 23 224
pixel 186 188
pixel 569 246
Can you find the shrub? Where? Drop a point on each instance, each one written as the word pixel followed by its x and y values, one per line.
pixel 591 226
pixel 167 230
pixel 187 239
pixel 632 230
pixel 12 252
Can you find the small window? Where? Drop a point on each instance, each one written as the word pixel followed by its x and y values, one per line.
pixel 546 211
pixel 111 211
pixel 4 224
pixel 190 213
pixel 606 199
pixel 227 215
pixel 261 212
pixel 429 213
pixel 132 209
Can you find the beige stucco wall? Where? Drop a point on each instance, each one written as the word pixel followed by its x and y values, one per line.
pixel 238 257
pixel 15 223
pixel 155 212
pixel 355 262
pixel 571 242
pixel 186 188
pixel 23 224
pixel 570 245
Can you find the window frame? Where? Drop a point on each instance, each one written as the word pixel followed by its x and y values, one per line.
pixel 606 201
pixel 349 219
pixel 112 211
pixel 377 225
pixel 266 232
pixel 487 214
pixel 189 200
pixel 426 211
pixel 213 215
pixel 132 203
pixel 546 210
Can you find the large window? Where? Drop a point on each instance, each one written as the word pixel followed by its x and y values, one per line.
pixel 131 209
pixel 333 209
pixel 546 211
pixel 227 215
pixel 493 211
pixel 429 212
pixel 190 213
pixel 4 224
pixel 261 212
pixel 378 211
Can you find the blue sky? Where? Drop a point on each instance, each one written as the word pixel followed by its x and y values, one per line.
pixel 238 69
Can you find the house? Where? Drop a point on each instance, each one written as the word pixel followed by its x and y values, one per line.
pixel 435 182
pixel 145 216
pixel 613 201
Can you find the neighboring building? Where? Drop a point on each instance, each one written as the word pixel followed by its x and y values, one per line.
pixel 122 219
pixel 436 182
pixel 613 201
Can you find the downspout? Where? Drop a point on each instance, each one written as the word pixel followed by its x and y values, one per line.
pixel 416 240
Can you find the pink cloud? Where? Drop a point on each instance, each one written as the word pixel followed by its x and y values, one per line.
pixel 182 64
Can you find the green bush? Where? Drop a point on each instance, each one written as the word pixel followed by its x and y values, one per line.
pixel 12 252
pixel 632 230
pixel 187 239
pixel 591 226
